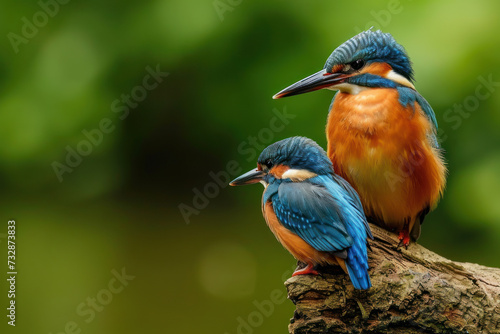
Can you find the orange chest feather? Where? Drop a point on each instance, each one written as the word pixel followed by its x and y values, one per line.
pixel 383 150
pixel 373 124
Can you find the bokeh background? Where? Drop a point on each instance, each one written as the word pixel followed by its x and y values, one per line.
pixel 120 207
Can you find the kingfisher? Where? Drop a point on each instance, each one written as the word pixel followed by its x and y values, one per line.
pixel 314 213
pixel 381 132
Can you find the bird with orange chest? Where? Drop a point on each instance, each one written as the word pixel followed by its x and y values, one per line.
pixel 315 214
pixel 381 132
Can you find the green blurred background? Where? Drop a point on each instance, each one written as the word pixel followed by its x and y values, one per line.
pixel 119 206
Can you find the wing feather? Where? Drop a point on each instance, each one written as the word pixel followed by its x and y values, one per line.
pixel 314 214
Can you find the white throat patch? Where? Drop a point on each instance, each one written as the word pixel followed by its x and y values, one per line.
pixel 349 88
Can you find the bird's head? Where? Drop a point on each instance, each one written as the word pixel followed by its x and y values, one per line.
pixel 294 159
pixel 369 59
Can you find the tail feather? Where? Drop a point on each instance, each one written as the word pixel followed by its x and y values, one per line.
pixel 357 267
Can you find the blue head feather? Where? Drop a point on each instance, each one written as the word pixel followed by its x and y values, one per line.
pixel 298 153
pixel 372 46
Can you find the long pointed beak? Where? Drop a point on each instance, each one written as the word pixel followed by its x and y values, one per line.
pixel 253 176
pixel 319 80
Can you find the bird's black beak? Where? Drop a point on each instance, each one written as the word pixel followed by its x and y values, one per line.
pixel 253 176
pixel 319 80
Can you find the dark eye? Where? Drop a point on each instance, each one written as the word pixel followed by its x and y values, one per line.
pixel 268 163
pixel 357 64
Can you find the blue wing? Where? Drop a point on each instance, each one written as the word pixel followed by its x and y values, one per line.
pixel 355 204
pixel 311 212
pixel 319 211
pixel 410 96
pixel 426 107
pixel 326 212
pixel 357 227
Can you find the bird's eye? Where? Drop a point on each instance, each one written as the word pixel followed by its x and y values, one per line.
pixel 357 64
pixel 269 163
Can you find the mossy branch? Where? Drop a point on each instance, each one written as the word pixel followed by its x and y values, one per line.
pixel 414 291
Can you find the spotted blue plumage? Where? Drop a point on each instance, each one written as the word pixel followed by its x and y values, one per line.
pixel 325 211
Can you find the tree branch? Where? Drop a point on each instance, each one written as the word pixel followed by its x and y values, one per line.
pixel 413 291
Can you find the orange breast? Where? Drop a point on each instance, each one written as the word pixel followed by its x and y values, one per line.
pixel 300 249
pixel 382 149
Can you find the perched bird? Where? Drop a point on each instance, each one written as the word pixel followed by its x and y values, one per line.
pixel 315 214
pixel 381 132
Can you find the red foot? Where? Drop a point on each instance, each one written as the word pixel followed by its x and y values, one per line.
pixel 306 271
pixel 404 238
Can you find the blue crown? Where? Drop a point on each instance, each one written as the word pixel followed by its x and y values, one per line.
pixel 372 46
pixel 299 153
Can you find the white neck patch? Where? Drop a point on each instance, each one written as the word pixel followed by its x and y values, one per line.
pixel 399 79
pixel 298 174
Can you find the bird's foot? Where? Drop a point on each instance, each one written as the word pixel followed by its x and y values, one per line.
pixel 306 271
pixel 404 238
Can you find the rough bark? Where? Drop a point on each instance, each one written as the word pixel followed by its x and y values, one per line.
pixel 413 291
